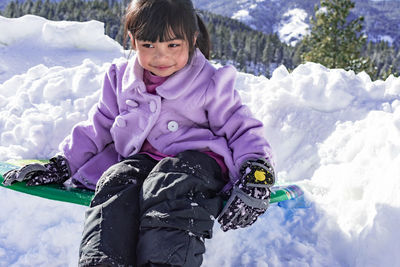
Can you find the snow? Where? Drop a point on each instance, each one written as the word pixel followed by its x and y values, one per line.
pixel 52 43
pixel 385 38
pixel 334 133
pixel 293 26
pixel 242 15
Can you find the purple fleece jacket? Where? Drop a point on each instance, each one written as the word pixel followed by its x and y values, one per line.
pixel 197 108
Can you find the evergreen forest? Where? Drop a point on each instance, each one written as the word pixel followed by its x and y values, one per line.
pixel 233 42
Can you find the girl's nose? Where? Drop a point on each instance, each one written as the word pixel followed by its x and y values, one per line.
pixel 161 52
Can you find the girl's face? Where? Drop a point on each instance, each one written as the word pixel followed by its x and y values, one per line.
pixel 162 58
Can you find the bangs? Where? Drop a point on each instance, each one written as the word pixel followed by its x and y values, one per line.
pixel 166 20
pixel 161 24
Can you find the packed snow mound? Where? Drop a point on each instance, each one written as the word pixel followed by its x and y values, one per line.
pixel 303 108
pixel 45 105
pixel 31 40
pixel 61 34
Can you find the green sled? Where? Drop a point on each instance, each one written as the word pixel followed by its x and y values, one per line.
pixel 83 197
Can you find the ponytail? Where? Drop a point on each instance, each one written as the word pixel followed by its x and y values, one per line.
pixel 203 39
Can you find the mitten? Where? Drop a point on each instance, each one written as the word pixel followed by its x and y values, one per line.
pixel 56 171
pixel 249 198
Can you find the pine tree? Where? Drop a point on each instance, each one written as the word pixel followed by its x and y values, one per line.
pixel 37 6
pixel 27 6
pixel 11 10
pixel 335 40
pixel 268 51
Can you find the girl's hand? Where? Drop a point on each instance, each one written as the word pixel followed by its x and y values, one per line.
pixel 56 171
pixel 250 197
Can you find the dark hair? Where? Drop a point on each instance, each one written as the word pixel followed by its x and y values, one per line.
pixel 163 20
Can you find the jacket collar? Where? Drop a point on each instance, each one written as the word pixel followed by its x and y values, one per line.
pixel 174 86
pixel 132 78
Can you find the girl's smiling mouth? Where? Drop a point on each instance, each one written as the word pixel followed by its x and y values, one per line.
pixel 163 67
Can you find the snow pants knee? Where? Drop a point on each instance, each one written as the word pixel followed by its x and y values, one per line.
pixel 146 213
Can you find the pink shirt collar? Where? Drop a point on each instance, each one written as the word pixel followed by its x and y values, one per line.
pixel 152 81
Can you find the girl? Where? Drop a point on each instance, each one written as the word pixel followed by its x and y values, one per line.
pixel 171 141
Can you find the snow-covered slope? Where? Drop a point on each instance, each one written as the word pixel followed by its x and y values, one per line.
pixel 293 26
pixel 290 18
pixel 335 133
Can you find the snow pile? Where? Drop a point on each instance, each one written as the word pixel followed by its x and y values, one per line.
pixel 335 133
pixel 62 34
pixel 47 42
pixel 40 107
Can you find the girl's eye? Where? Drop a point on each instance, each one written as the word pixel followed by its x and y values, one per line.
pixel 147 45
pixel 173 45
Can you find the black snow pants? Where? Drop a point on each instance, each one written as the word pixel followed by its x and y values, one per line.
pixel 149 213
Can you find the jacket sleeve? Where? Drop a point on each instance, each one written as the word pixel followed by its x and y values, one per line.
pixel 90 137
pixel 231 119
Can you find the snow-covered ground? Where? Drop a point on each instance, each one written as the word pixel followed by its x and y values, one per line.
pixel 335 133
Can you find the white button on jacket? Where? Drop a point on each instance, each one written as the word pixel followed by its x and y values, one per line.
pixel 120 122
pixel 173 126
pixel 153 106
pixel 132 103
